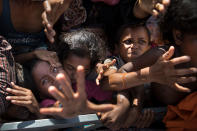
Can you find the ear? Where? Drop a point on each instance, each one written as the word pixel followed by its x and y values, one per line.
pixel 178 37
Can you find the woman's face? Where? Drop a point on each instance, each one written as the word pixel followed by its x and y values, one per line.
pixel 133 43
pixel 189 47
pixel 70 65
pixel 45 76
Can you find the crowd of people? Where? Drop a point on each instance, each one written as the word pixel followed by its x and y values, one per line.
pixel 120 59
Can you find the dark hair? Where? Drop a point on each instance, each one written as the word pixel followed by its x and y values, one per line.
pixel 83 44
pixel 180 15
pixel 130 25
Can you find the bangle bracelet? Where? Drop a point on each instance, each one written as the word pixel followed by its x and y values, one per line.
pixel 123 80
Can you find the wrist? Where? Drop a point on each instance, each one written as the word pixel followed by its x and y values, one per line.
pixel 122 101
pixel 144 75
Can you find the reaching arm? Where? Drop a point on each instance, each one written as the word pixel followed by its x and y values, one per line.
pixel 44 55
pixel 145 60
pixel 162 71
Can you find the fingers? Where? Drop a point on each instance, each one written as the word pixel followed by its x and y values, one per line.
pixel 17 98
pixel 16 92
pixel 65 86
pixel 49 31
pixel 51 111
pixel 182 72
pixel 57 94
pixel 166 2
pixel 47 6
pixel 99 77
pixel 147 118
pixel 186 79
pixel 80 82
pixel 22 103
pixel 104 118
pixel 99 108
pixel 18 87
pixel 160 7
pixel 49 35
pixel 180 88
pixel 107 65
pixel 179 60
pixel 168 54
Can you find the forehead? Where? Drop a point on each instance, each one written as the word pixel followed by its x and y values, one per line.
pixel 75 60
pixel 139 31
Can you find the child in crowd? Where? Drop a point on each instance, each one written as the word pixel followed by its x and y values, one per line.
pixel 179 27
pixel 132 41
pixel 84 48
pixel 77 48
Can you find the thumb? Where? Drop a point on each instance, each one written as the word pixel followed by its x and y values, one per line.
pixel 47 6
pixel 99 108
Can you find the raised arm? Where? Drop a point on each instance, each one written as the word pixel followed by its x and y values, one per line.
pixel 162 71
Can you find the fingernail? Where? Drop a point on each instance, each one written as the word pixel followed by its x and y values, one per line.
pixel 8 98
pixel 8 89
pixel 59 76
pixel 51 89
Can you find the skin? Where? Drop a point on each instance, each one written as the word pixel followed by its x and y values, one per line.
pixel 188 46
pixel 70 65
pixel 73 103
pixel 45 76
pixel 133 43
pixel 43 15
pixel 143 8
pixel 162 71
pixel 22 19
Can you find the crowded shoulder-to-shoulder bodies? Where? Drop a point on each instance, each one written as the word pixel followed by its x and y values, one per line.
pixel 121 59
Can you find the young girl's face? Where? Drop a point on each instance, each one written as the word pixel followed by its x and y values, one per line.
pixel 70 65
pixel 45 76
pixel 133 43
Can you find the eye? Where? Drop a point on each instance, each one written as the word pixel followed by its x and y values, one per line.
pixel 128 41
pixel 142 42
pixel 45 81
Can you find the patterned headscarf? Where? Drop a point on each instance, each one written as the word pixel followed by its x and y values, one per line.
pixel 74 15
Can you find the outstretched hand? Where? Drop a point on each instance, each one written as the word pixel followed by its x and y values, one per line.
pixel 73 103
pixel 154 7
pixel 164 72
pixel 53 9
pixel 23 97
pixel 102 68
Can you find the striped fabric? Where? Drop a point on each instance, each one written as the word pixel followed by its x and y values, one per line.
pixel 7 71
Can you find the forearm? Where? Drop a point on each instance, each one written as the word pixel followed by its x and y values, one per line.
pixel 145 60
pixel 122 81
pixel 22 58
